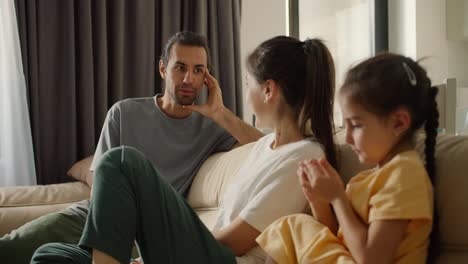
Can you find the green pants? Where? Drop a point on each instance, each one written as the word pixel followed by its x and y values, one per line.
pixel 131 201
pixel 18 246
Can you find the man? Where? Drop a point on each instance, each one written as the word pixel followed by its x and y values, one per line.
pixel 164 128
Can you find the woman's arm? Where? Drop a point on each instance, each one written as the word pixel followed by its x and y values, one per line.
pixel 239 236
pixel 374 243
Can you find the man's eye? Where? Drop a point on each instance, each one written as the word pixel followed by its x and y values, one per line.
pixel 179 68
pixel 198 70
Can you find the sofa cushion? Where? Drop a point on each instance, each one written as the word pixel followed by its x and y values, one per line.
pixel 208 217
pixel 80 171
pixel 18 196
pixel 451 189
pixel 214 175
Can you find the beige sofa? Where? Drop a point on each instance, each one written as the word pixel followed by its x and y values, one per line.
pixel 19 205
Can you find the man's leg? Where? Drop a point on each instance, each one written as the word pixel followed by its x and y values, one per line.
pixel 131 200
pixel 62 253
pixel 18 246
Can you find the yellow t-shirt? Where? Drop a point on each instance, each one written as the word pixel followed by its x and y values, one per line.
pixel 401 189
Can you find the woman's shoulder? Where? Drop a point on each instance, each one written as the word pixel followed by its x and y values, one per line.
pixel 310 147
pixel 305 149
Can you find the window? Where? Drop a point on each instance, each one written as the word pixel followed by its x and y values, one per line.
pixel 353 30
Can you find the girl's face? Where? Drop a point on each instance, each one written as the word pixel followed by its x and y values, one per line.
pixel 371 137
pixel 256 99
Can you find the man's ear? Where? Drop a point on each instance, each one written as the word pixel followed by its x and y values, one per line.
pixel 270 91
pixel 401 121
pixel 162 69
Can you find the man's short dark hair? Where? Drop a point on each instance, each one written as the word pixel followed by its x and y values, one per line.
pixel 186 38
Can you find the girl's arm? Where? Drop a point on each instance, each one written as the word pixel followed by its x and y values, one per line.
pixel 374 243
pixel 239 236
pixel 323 212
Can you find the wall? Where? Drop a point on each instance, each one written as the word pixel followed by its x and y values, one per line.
pixel 261 20
pixel 458 68
pixel 457 32
pixel 419 29
pixel 402 27
pixel 431 38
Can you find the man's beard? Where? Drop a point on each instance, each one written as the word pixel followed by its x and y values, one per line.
pixel 183 99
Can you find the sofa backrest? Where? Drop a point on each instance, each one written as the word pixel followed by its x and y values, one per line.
pixel 214 175
pixel 451 190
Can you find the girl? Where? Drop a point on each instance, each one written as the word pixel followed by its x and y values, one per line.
pixel 291 85
pixel 385 215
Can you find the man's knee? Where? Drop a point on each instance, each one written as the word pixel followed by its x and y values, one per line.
pixel 121 155
pixel 61 253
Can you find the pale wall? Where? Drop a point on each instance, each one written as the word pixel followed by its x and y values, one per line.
pixel 261 19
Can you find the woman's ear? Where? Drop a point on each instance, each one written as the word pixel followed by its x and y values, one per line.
pixel 162 69
pixel 401 121
pixel 270 91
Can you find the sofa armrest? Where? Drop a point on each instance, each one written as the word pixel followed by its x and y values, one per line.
pixel 21 204
pixel 43 194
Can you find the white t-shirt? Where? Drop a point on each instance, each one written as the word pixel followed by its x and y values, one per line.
pixel 266 188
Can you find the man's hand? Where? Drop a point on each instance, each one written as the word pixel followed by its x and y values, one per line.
pixel 214 104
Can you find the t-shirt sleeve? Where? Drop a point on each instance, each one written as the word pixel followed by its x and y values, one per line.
pixel 280 195
pixel 404 193
pixel 225 142
pixel 110 135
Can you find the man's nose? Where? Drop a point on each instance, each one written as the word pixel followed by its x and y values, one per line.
pixel 188 78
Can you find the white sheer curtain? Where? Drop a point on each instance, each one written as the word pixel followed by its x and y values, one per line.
pixel 16 149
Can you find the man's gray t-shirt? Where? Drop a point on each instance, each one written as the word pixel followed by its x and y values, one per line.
pixel 176 147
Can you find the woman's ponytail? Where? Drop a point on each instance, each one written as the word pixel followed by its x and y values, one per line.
pixel 319 96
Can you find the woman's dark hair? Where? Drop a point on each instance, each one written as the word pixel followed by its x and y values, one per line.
pixel 305 74
pixel 387 82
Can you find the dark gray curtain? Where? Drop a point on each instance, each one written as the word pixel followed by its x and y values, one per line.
pixel 81 56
